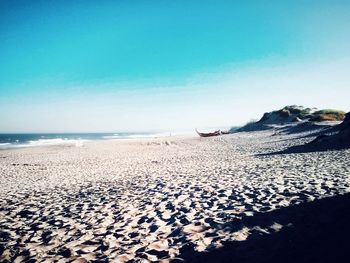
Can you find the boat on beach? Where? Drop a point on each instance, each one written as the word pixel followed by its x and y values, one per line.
pixel 210 134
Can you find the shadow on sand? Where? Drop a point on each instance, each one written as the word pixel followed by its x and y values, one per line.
pixel 320 144
pixel 318 231
pixel 306 148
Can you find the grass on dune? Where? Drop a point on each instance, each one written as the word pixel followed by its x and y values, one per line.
pixel 328 115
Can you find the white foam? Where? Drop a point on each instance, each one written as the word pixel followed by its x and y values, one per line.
pixel 5 145
pixel 58 141
pixel 44 142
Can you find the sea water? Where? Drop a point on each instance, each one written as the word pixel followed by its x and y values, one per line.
pixel 13 140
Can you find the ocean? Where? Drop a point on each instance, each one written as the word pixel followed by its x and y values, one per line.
pixel 12 140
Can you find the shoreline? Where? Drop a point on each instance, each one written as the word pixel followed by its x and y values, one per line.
pixel 57 142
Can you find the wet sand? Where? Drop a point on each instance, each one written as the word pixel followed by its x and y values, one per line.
pixel 155 199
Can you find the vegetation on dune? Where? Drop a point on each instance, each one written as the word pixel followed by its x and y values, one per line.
pixel 299 111
pixel 328 115
pixel 294 111
pixel 311 114
pixel 329 111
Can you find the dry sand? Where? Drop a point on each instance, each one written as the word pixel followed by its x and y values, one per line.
pixel 148 200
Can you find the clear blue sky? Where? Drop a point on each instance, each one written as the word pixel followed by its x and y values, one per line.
pixel 142 65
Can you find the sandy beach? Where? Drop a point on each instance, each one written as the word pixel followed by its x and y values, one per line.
pixel 157 199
